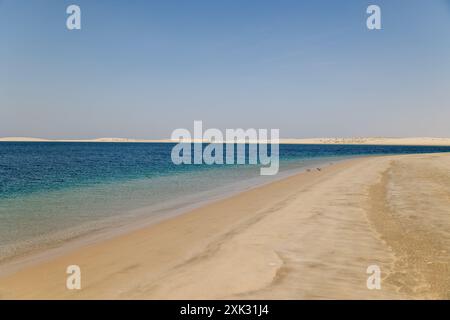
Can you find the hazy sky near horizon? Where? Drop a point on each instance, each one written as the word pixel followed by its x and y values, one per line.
pixel 140 69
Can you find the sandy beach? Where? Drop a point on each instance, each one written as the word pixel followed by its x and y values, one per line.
pixel 309 236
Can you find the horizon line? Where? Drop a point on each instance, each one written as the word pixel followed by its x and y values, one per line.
pixel 419 141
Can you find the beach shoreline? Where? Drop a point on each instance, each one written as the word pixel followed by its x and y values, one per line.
pixel 307 236
pixel 141 219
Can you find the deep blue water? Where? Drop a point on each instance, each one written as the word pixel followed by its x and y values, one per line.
pixel 29 166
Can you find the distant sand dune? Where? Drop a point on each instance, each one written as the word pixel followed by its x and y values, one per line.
pixel 22 139
pixel 374 141
pixel 419 141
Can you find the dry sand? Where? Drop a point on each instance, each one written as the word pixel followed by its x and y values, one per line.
pixel 310 236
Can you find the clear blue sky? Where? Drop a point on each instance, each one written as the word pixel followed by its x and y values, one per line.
pixel 141 69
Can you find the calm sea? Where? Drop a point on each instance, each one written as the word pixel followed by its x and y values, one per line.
pixel 52 192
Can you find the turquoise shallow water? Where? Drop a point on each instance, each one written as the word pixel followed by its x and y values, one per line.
pixel 51 192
